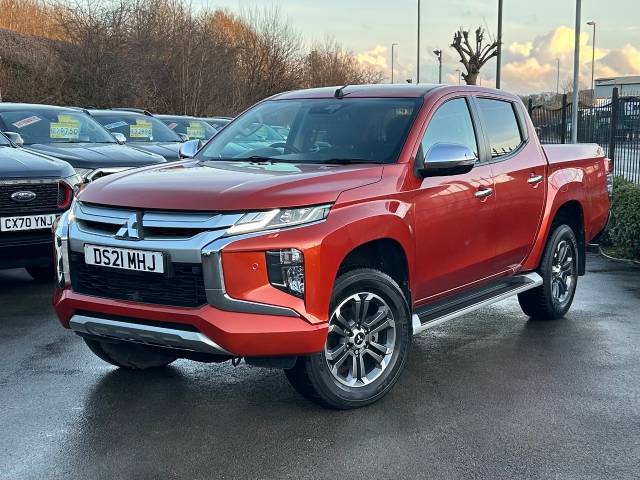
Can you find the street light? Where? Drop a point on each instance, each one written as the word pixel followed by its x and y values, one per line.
pixel 576 75
pixel 418 58
pixel 459 72
pixel 499 52
pixel 393 45
pixel 593 61
pixel 438 54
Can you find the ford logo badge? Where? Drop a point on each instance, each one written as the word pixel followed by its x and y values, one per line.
pixel 23 196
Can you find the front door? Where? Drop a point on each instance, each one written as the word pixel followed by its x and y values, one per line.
pixel 454 214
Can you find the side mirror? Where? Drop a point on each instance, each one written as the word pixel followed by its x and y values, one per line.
pixel 120 137
pixel 446 159
pixel 189 148
pixel 184 137
pixel 16 138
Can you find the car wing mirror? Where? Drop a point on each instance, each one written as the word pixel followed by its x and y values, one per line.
pixel 120 137
pixel 16 138
pixel 446 159
pixel 189 148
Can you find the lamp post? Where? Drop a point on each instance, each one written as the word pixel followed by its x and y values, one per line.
pixel 499 53
pixel 459 72
pixel 418 55
pixel 438 54
pixel 593 62
pixel 576 75
pixel 393 46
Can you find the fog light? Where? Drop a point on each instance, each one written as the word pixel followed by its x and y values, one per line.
pixel 285 269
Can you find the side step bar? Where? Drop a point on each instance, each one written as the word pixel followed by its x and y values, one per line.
pixel 145 334
pixel 448 309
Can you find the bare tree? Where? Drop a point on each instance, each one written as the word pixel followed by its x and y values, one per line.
pixel 473 58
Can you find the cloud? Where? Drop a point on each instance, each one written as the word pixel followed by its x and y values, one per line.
pixel 376 57
pixel 531 66
pixel 521 49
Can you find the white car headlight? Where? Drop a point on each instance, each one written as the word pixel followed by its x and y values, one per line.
pixel 272 219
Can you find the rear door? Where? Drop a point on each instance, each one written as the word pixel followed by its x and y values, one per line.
pixel 455 213
pixel 519 171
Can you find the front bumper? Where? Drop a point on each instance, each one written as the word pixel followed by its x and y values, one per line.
pixel 263 323
pixel 28 251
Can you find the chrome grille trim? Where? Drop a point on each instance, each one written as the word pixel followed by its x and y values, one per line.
pixel 110 219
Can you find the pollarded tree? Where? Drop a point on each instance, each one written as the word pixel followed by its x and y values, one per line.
pixel 473 58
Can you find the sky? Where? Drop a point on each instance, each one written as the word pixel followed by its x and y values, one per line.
pixel 535 35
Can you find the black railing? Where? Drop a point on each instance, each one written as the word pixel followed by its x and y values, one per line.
pixel 614 124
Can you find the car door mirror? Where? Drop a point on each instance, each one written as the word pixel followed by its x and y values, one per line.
pixel 16 138
pixel 189 148
pixel 120 137
pixel 446 159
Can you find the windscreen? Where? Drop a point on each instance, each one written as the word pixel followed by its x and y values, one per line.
pixel 193 128
pixel 137 128
pixel 49 125
pixel 318 130
pixel 3 140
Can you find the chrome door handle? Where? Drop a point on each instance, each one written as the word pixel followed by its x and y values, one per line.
pixel 535 179
pixel 485 192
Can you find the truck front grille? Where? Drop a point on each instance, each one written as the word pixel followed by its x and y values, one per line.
pixel 182 286
pixel 46 201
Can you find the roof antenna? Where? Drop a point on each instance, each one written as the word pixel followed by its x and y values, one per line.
pixel 340 91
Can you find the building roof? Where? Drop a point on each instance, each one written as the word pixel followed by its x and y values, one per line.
pixel 627 80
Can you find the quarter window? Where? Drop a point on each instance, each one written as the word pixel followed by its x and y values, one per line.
pixel 501 125
pixel 451 124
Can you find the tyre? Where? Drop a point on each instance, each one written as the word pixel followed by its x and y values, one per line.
pixel 559 271
pixel 41 274
pixel 130 355
pixel 367 345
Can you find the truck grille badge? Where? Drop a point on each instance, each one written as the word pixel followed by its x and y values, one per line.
pixel 132 229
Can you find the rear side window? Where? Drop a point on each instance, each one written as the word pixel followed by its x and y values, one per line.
pixel 501 125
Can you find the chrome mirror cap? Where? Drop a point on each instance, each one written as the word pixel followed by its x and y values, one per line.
pixel 189 148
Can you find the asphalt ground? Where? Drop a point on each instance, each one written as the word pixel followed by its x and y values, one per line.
pixel 489 395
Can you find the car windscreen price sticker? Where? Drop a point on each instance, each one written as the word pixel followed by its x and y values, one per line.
pixel 196 130
pixel 67 127
pixel 141 129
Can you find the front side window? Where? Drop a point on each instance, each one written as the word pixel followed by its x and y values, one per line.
pixel 501 125
pixel 318 130
pixel 451 124
pixel 49 125
pixel 137 128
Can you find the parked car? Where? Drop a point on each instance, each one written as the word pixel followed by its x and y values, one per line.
pixel 192 127
pixel 388 210
pixel 218 122
pixel 72 135
pixel 142 131
pixel 34 190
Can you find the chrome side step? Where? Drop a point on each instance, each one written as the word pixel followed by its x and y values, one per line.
pixel 448 309
pixel 146 334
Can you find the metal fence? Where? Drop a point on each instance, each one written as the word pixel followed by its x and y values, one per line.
pixel 614 124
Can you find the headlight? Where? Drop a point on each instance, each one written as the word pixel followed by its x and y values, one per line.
pixel 271 219
pixel 83 172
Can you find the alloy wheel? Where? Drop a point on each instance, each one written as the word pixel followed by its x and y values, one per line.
pixel 563 272
pixel 361 339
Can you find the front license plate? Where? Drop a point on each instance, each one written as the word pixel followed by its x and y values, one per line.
pixel 124 258
pixel 30 222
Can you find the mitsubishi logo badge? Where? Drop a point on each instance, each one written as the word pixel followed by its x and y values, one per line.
pixel 132 229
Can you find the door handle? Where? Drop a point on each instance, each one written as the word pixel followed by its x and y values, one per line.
pixel 485 192
pixel 535 179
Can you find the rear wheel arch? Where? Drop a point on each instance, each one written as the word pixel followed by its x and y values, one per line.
pixel 571 213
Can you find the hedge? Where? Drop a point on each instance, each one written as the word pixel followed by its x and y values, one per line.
pixel 623 232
